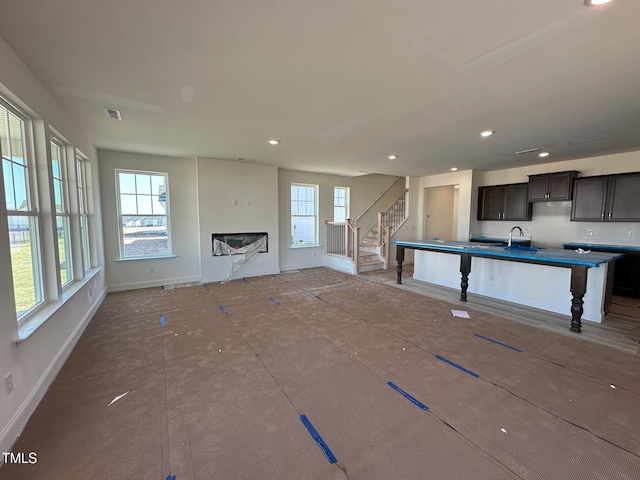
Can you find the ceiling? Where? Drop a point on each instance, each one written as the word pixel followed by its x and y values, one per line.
pixel 342 83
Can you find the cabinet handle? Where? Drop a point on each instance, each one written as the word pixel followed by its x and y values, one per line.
pixel 602 216
pixel 609 215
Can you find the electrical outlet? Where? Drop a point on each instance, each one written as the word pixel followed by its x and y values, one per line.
pixel 152 269
pixel 8 381
pixel 631 233
pixel 589 232
pixel 492 277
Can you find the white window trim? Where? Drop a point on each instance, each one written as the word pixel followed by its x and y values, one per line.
pixel 167 214
pixel 316 240
pixel 66 210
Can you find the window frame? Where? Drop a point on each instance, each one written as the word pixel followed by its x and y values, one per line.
pixel 315 215
pixel 80 164
pixel 32 212
pixel 119 214
pixel 65 213
pixel 346 205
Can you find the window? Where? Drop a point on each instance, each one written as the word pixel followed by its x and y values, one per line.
pixel 143 214
pixel 82 182
pixel 60 194
pixel 304 214
pixel 340 204
pixel 22 212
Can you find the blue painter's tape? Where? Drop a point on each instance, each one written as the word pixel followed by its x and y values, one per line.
pixel 162 287
pixel 310 294
pixel 413 400
pixel 497 342
pixel 316 436
pixel 459 367
pixel 162 320
pixel 245 280
pixel 171 477
pixel 206 287
pixel 277 278
pixel 274 300
pixel 224 310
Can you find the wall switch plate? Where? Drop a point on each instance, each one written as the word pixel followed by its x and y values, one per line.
pixel 8 382
pixel 589 232
pixel 631 233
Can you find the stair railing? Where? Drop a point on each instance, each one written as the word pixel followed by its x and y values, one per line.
pixel 343 239
pixel 389 222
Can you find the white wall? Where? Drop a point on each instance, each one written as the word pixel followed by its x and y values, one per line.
pixel 36 361
pixel 363 190
pixel 236 197
pixel 130 274
pixel 551 224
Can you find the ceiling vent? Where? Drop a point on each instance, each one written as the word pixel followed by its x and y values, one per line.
pixel 531 150
pixel 355 174
pixel 113 113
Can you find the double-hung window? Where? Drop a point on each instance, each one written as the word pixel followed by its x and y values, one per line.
pixel 22 213
pixel 304 214
pixel 62 213
pixel 82 182
pixel 340 204
pixel 143 214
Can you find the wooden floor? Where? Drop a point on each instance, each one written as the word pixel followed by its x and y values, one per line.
pixel 315 374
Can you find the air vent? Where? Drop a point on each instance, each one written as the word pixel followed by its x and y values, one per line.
pixel 113 113
pixel 355 174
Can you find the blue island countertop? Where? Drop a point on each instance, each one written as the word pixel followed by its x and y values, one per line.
pixel 498 240
pixel 542 255
pixel 601 246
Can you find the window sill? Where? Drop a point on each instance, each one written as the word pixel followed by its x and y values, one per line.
pixel 29 325
pixel 134 259
pixel 294 247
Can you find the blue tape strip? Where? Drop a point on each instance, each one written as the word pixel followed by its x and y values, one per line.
pixel 407 396
pixel 171 477
pixel 224 310
pixel 206 287
pixel 316 436
pixel 498 343
pixel 459 367
pixel 277 278
pixel 245 280
pixel 274 300
pixel 162 287
pixel 310 294
pixel 162 320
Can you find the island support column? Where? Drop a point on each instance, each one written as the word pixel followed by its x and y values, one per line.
pixel 399 259
pixel 578 289
pixel 465 269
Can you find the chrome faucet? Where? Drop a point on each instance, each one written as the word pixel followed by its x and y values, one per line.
pixel 511 234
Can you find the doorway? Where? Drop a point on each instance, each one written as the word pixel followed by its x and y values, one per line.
pixel 441 212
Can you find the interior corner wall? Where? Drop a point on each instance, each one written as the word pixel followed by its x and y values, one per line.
pixel 236 197
pixel 35 363
pixel 183 218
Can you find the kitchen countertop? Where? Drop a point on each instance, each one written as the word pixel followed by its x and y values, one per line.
pixel 482 238
pixel 541 255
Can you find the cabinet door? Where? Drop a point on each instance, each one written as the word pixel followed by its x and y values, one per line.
pixel 560 186
pixel 538 188
pixel 490 203
pixel 516 202
pixel 589 199
pixel 624 198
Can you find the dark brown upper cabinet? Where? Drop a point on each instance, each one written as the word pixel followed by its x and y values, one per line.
pixel 504 202
pixel 610 198
pixel 551 187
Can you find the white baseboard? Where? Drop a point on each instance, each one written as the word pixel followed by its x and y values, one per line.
pixel 155 283
pixel 301 266
pixel 16 425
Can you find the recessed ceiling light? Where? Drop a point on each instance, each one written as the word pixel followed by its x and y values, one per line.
pixel 392 157
pixel 595 3
pixel 543 154
pixel 487 133
pixel 454 169
pixel 273 141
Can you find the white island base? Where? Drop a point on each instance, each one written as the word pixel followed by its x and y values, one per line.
pixel 539 286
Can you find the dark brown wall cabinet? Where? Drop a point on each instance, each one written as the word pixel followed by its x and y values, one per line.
pixel 504 202
pixel 610 198
pixel 550 187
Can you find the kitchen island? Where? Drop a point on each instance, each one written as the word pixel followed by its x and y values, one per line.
pixel 524 275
